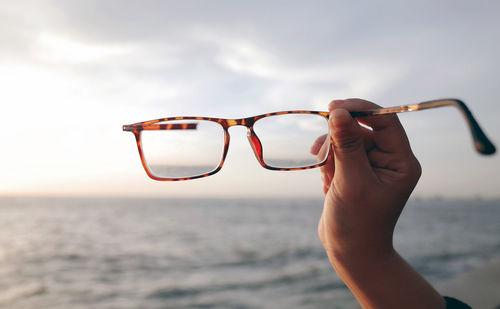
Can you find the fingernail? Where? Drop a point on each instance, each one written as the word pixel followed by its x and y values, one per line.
pixel 334 104
pixel 340 118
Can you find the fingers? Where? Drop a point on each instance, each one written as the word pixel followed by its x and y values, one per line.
pixel 328 169
pixel 388 133
pixel 318 143
pixel 368 140
pixel 350 159
pixel 320 148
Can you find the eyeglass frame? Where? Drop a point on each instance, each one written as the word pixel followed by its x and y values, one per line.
pixel 481 142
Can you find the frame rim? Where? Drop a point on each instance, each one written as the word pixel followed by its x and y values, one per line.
pixel 248 122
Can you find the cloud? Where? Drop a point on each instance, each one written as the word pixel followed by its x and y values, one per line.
pixel 54 48
pixel 94 65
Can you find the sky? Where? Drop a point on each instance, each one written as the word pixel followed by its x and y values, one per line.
pixel 73 72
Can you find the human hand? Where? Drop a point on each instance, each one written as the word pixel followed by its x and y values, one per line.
pixel 367 182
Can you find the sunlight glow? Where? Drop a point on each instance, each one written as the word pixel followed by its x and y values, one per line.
pixel 72 75
pixel 59 48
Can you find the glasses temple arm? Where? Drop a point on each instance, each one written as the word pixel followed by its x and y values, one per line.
pixel 481 142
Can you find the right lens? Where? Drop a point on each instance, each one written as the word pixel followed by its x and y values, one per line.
pixel 187 148
pixel 287 139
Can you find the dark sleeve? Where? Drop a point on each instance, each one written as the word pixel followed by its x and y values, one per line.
pixel 452 303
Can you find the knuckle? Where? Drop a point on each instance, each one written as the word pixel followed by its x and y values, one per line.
pixel 413 171
pixel 418 168
pixel 321 232
pixel 347 143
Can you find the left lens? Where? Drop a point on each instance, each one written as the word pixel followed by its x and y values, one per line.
pixel 287 139
pixel 186 148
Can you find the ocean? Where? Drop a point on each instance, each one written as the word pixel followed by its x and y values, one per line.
pixel 211 253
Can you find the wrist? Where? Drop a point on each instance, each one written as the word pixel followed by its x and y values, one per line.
pixel 385 280
pixel 358 246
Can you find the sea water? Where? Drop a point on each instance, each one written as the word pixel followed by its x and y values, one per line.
pixel 211 253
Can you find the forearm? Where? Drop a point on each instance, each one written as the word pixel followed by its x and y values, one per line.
pixel 385 280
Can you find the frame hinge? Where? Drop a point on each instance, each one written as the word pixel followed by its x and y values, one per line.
pixel 128 128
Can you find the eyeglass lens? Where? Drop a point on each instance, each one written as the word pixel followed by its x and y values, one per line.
pixel 180 153
pixel 195 147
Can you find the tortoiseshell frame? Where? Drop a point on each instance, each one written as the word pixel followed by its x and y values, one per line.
pixel 136 128
pixel 482 144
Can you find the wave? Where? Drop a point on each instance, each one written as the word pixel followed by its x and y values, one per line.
pixel 254 257
pixel 269 282
pixel 10 295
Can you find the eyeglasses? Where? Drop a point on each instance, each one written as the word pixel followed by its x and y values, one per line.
pixel 183 148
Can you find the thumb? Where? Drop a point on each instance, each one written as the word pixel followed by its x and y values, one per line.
pixel 348 148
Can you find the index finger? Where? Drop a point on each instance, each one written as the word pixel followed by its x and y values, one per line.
pixel 318 143
pixel 388 133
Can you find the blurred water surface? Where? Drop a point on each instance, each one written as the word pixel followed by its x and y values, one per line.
pixel 214 253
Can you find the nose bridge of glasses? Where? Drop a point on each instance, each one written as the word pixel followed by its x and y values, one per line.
pixel 253 139
pixel 246 122
pixel 255 144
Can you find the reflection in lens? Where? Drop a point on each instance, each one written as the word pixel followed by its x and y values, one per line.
pixel 184 150
pixel 287 139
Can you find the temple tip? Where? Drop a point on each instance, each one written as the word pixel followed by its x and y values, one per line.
pixel 485 147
